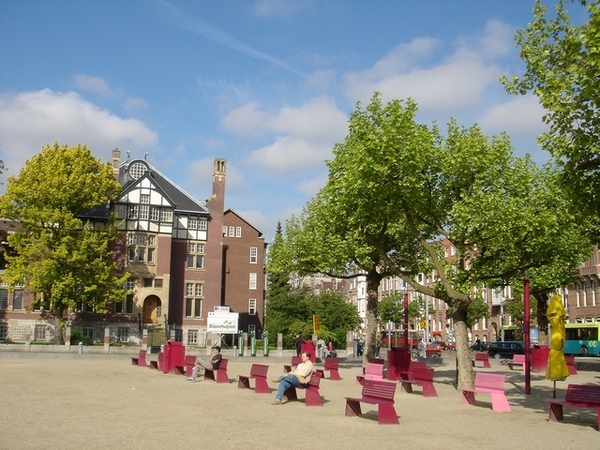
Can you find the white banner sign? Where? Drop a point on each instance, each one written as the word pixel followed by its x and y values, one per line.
pixel 223 323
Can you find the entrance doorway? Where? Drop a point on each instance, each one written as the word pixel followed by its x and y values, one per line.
pixel 152 309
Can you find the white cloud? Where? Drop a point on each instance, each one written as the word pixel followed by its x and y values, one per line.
pixel 30 120
pixel 310 187
pixel 97 85
pixel 521 119
pixel 458 83
pixel 304 136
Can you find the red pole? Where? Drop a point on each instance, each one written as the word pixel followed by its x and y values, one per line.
pixel 527 338
pixel 406 320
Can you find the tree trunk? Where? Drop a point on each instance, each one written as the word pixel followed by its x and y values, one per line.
pixel 373 280
pixel 59 337
pixel 463 354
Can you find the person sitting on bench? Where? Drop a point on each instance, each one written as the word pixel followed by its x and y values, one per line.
pixel 213 364
pixel 300 376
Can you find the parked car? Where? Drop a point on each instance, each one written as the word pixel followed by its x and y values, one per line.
pixel 434 349
pixel 450 345
pixel 506 349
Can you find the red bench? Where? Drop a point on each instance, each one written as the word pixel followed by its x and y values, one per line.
pixel 295 361
pixel 421 377
pixel 140 360
pixel 188 365
pixel 375 392
pixel 373 371
pixel 488 383
pixel 483 358
pixel 570 360
pixel 518 360
pixel 333 366
pixel 158 363
pixel 313 396
pixel 219 375
pixel 258 372
pixel 578 396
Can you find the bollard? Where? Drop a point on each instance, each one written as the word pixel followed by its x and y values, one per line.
pixel 235 351
pixel 241 342
pixel 253 345
pixel 80 348
pixel 265 337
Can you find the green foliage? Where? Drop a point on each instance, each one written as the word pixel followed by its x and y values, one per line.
pixel 77 336
pixel 63 259
pixel 562 64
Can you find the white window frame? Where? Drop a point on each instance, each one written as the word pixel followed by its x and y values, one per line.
pixel 252 283
pixel 253 255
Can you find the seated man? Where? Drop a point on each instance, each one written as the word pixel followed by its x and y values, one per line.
pixel 214 363
pixel 300 376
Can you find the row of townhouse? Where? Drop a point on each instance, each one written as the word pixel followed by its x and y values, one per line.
pixel 581 301
pixel 185 258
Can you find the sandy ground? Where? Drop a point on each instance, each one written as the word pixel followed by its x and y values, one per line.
pixel 106 403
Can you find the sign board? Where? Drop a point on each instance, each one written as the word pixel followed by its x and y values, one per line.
pixel 316 324
pixel 222 322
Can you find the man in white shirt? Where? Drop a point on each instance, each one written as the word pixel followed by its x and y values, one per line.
pixel 300 376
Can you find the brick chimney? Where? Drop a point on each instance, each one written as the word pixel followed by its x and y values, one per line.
pixel 116 160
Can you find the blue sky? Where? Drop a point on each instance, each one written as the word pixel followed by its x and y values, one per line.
pixel 266 84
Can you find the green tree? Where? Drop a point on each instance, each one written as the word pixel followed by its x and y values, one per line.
pixel 562 65
pixel 65 260
pixel 407 190
pixel 337 316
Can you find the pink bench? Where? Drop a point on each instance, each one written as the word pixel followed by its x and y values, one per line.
pixel 518 360
pixel 483 358
pixel 140 360
pixel 488 383
pixel 188 365
pixel 313 396
pixel 219 375
pixel 372 372
pixel 332 365
pixel 258 372
pixel 421 377
pixel 375 392
pixel 579 396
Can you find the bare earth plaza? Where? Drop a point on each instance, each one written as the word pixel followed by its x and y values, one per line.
pixel 71 401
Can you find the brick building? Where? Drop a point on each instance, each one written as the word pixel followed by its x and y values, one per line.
pixel 182 259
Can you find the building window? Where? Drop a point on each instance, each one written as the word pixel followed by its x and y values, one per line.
pixel 166 215
pixel 88 332
pixel 3 299
pixel 251 329
pixel 231 231
pixel 193 301
pixel 253 255
pixel 154 214
pixel 252 284
pixel 39 333
pixel 127 307
pixel 132 211
pixel 158 283
pixel 122 334
pixel 144 212
pixel 192 338
pixel 203 225
pixel 224 231
pixel 252 306
pixel 238 231
pixel 145 199
pixel 147 282
pixel 195 258
pixel 17 299
pixel 3 331
pixel 130 284
pixel 193 224
pixel 141 248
